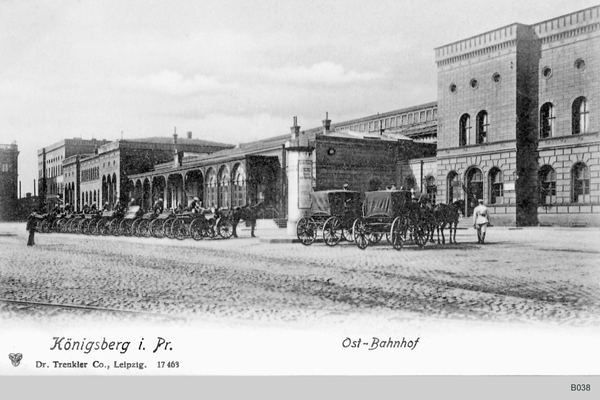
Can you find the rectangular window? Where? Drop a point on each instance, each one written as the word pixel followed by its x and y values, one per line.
pixel 387 122
pixel 428 115
pixel 410 118
pixel 434 113
pixel 404 119
pixel 371 126
pixel 422 116
pixel 393 122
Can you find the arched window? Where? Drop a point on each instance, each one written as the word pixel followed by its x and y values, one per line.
pixel 211 189
pixel 431 189
pixel 464 129
pixel 224 197
pixel 482 127
pixel 239 186
pixel 547 121
pixel 580 114
pixel 547 178
pixel 496 186
pixel 580 177
pixel 453 187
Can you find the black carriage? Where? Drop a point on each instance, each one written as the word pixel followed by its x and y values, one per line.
pixel 142 226
pixel 393 214
pixel 332 212
pixel 210 224
pixel 384 213
pixel 158 224
pixel 126 224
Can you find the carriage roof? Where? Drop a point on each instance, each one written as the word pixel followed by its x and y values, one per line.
pixel 335 202
pixel 385 202
pixel 131 212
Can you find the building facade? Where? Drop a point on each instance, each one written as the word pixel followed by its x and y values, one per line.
pixel 518 121
pixel 9 178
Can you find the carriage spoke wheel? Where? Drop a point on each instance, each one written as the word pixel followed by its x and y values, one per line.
pixel 348 234
pixel 196 229
pixel 167 228
pixel 179 229
pixel 134 227
pixel 332 231
pixel 398 233
pixel 420 234
pixel 306 231
pixel 361 234
pixel 225 229
pixel 125 227
pixel 156 228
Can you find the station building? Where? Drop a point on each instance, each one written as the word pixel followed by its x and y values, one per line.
pixel 515 124
pixel 518 121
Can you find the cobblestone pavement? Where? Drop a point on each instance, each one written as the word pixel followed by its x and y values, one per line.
pixel 530 275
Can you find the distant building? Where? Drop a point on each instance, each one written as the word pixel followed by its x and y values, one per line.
pixel 9 179
pixel 95 171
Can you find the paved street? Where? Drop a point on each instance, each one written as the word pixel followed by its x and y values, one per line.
pixel 530 275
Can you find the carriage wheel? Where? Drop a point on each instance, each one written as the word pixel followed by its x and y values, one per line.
pixel 178 229
pixel 361 234
pixel 100 226
pixel 398 233
pixel 306 232
pixel 113 227
pixel 85 226
pixel 196 229
pixel 420 234
pixel 80 226
pixel 167 228
pixel 348 234
pixel 125 227
pixel 332 231
pixel 156 228
pixel 134 226
pixel 142 228
pixel 225 228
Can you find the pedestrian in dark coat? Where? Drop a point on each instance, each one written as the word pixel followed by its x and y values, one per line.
pixel 31 224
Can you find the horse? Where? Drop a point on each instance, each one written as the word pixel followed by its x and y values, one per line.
pixel 248 214
pixel 448 214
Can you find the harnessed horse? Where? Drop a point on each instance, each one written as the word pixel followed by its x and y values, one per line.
pixel 448 214
pixel 247 214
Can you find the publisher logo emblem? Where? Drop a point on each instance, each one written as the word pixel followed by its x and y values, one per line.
pixel 15 358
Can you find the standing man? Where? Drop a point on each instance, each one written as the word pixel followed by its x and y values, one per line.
pixel 481 218
pixel 31 228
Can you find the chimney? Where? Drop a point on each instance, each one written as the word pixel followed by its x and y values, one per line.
pixel 34 187
pixel 175 138
pixel 326 124
pixel 189 136
pixel 19 189
pixel 295 129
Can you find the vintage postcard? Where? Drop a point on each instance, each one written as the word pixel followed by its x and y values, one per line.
pixel 264 188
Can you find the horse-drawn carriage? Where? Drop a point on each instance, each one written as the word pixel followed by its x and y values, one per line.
pixel 391 213
pixel 211 224
pixel 333 212
pixel 126 224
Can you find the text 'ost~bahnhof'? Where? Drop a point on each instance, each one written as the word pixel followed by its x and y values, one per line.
pixel 515 124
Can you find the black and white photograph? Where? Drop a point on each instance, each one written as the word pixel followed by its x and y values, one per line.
pixel 300 188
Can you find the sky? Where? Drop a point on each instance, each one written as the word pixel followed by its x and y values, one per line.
pixel 228 70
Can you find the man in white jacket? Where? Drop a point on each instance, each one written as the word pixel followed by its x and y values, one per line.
pixel 481 218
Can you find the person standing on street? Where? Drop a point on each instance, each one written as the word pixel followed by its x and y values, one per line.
pixel 31 223
pixel 481 218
